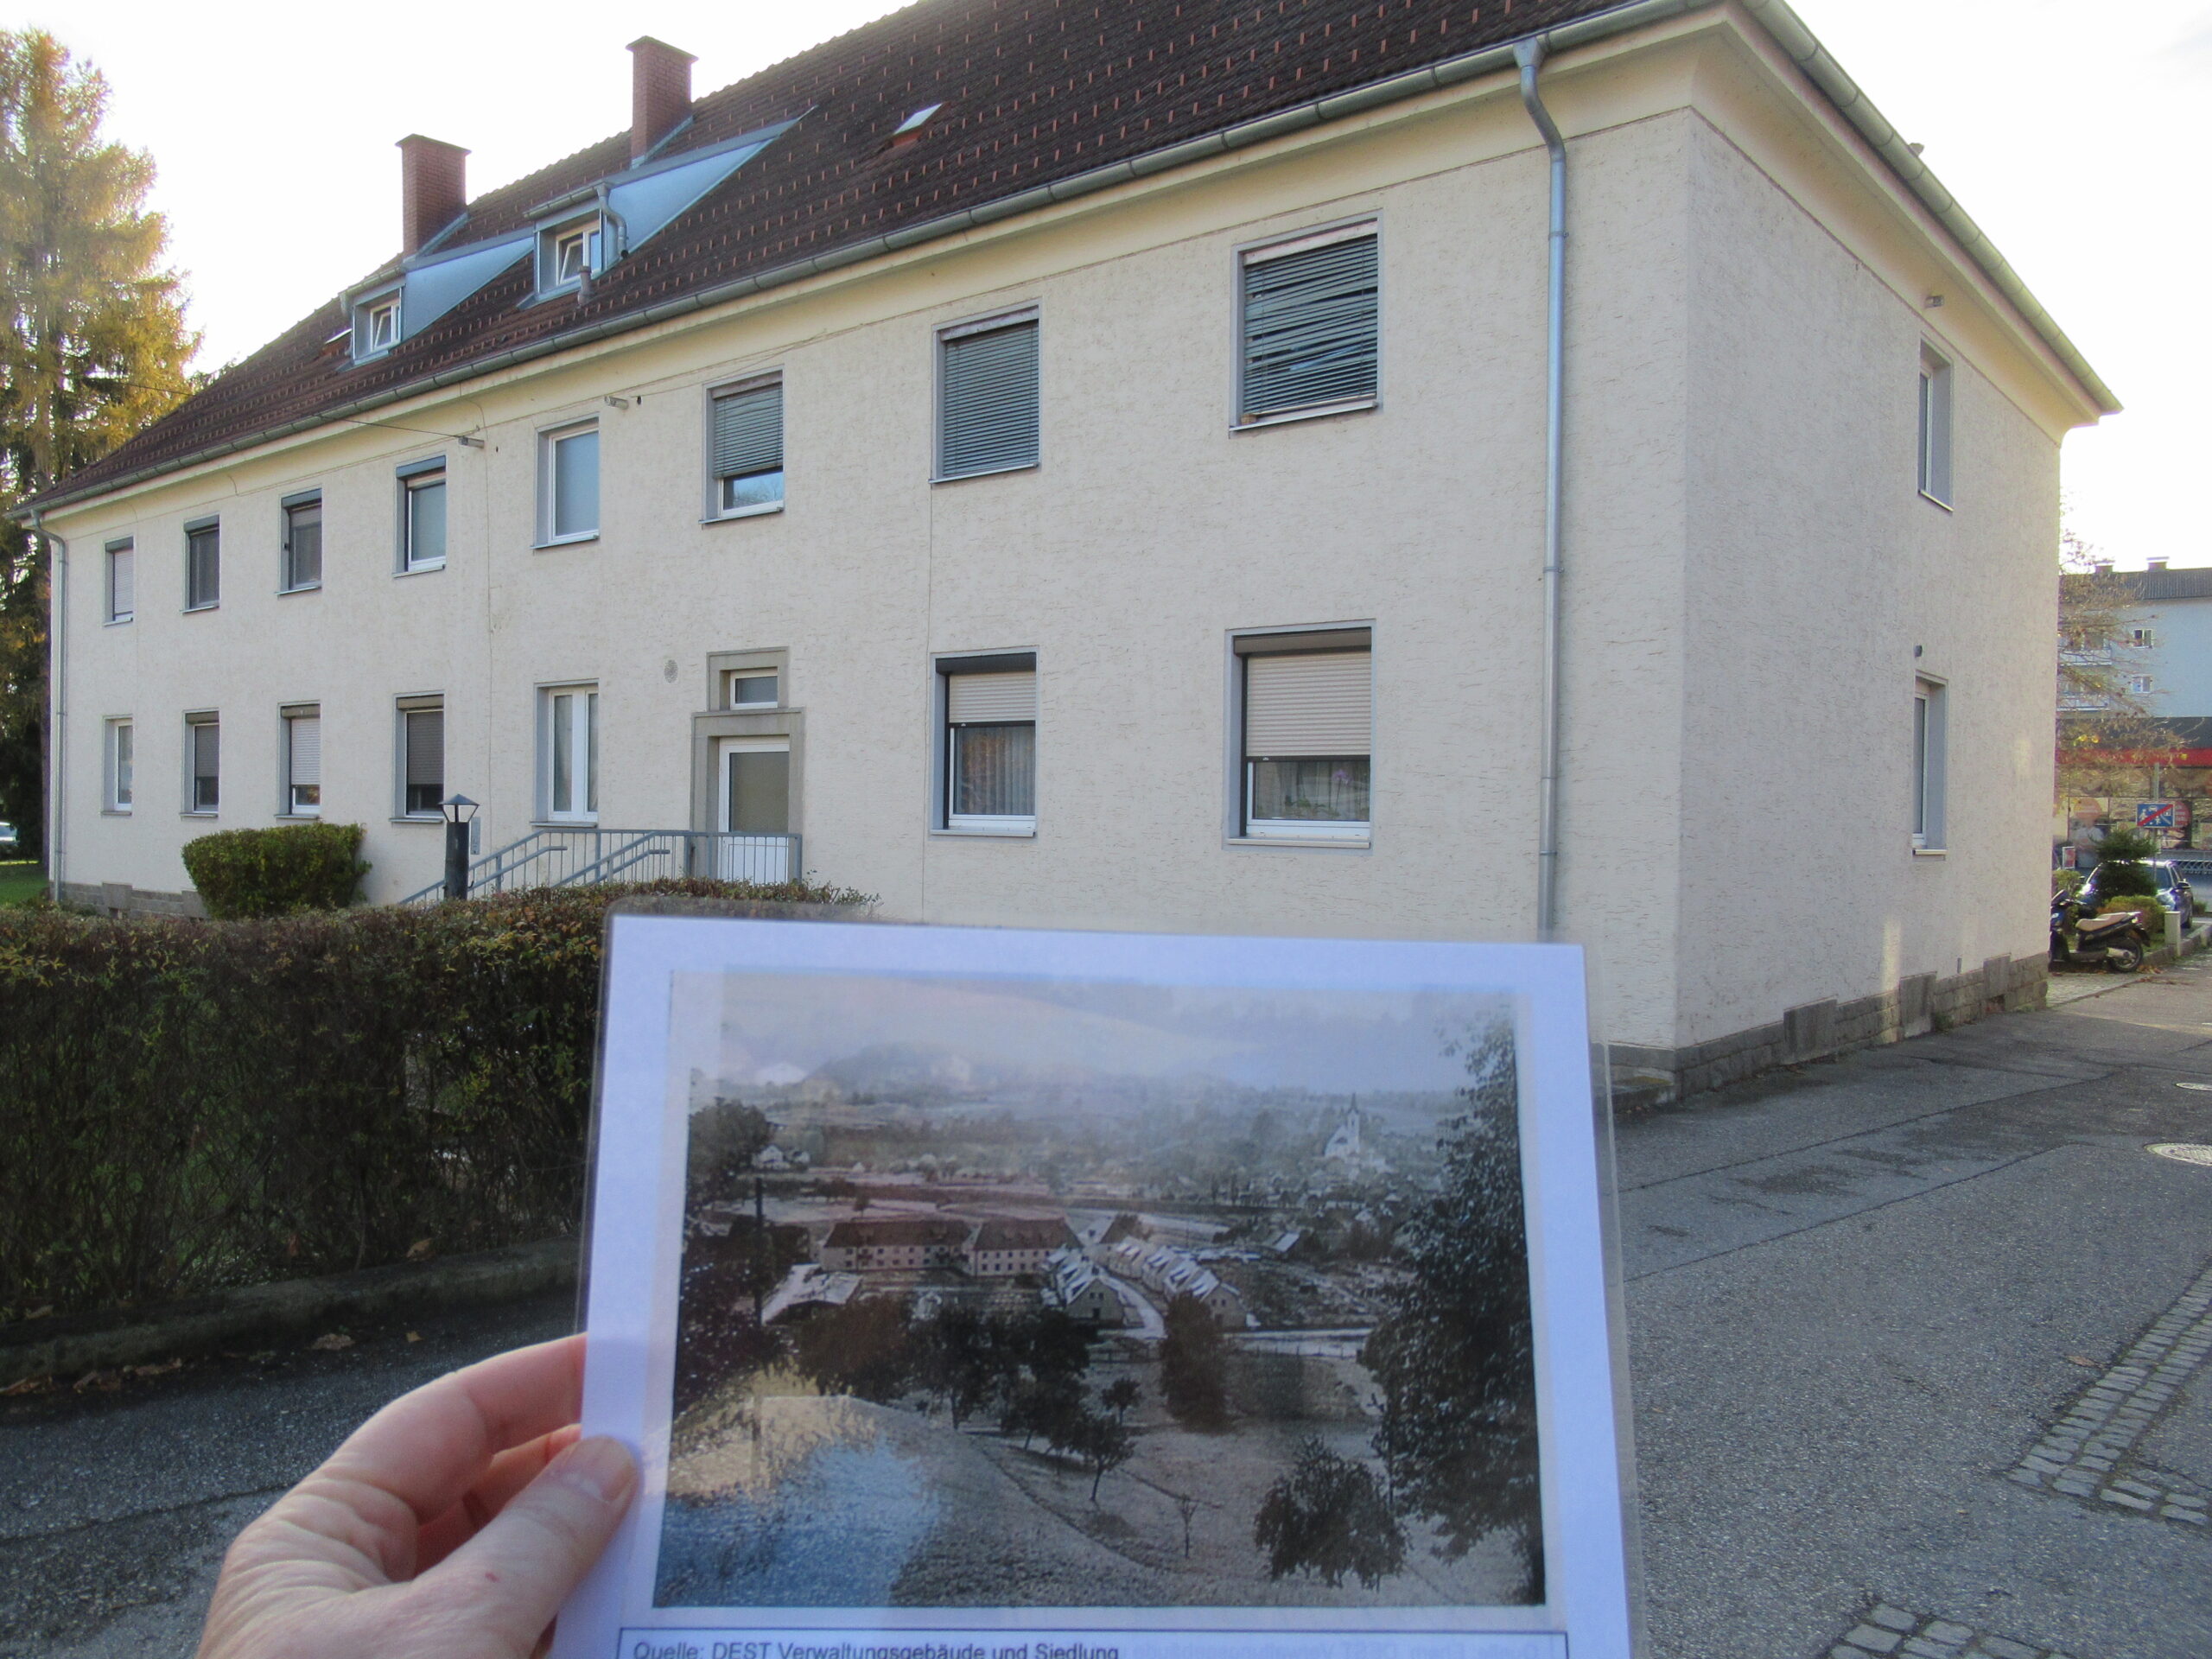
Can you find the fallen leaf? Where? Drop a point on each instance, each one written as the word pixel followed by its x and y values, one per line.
pixel 162 1369
pixel 419 1250
pixel 2083 1359
pixel 45 1312
pixel 105 1381
pixel 414 1336
pixel 334 1343
pixel 29 1385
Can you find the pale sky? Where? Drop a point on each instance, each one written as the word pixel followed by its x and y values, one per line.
pixel 2078 140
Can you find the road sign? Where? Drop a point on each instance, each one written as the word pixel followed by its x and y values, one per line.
pixel 2154 815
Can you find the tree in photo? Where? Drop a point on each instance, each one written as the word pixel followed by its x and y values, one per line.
pixel 1454 1353
pixel 956 1360
pixel 1329 1517
pixel 726 1136
pixel 1122 1396
pixel 2111 739
pixel 92 347
pixel 1194 1365
pixel 861 1349
pixel 1097 1440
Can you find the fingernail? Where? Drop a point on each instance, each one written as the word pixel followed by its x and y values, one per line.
pixel 602 1467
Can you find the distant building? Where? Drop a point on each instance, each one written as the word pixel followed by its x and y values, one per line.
pixel 896 1243
pixel 1075 1286
pixel 1002 1246
pixel 807 1287
pixel 1169 1273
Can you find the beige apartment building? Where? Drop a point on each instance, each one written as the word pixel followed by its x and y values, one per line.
pixel 1089 467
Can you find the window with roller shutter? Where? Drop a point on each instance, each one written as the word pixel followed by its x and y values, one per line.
pixel 303 761
pixel 1310 326
pixel 1308 733
pixel 991 743
pixel 422 757
pixel 203 761
pixel 748 449
pixel 988 396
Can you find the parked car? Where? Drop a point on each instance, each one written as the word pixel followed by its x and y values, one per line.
pixel 8 840
pixel 2175 893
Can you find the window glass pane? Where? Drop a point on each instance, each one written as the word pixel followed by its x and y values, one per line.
pixel 576 483
pixel 752 689
pixel 756 490
pixel 303 547
pixel 564 739
pixel 206 765
pixel 749 447
pixel 203 568
pixel 1314 790
pixel 426 522
pixel 760 791
pixel 1920 766
pixel 591 751
pixel 425 761
pixel 123 764
pixel 993 772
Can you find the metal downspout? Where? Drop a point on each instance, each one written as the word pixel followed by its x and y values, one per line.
pixel 56 699
pixel 1529 54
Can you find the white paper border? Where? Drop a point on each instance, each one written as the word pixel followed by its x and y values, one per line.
pixel 632 1270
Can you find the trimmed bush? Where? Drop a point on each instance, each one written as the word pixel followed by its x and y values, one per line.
pixel 243 873
pixel 2065 881
pixel 2120 868
pixel 186 1106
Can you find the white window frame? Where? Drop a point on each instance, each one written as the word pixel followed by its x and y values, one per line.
pixel 1933 426
pixel 424 702
pixel 287 806
pixel 1930 763
pixel 119 766
pixel 586 232
pixel 985 825
pixel 1275 247
pixel 287 572
pixel 411 479
pixel 730 679
pixel 199 527
pixel 1031 313
pixel 126 546
pixel 193 720
pixel 2139 686
pixel 583 753
pixel 716 490
pixel 548 440
pixel 1243 829
pixel 2142 638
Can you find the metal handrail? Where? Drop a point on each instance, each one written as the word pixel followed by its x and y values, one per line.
pixel 587 856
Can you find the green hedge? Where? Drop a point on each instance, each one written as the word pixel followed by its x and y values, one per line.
pixel 190 1105
pixel 241 873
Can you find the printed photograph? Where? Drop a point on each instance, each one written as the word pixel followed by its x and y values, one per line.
pixel 1003 1293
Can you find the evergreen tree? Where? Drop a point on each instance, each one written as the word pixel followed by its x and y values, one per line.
pixel 92 347
pixel 1454 1353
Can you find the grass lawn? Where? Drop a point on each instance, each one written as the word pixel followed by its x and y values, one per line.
pixel 19 879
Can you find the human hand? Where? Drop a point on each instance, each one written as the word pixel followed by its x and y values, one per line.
pixel 451 1525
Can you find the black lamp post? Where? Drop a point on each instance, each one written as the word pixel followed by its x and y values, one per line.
pixel 458 810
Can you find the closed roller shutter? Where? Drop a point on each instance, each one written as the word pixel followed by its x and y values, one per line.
pixel 990 699
pixel 306 732
pixel 426 747
pixel 749 432
pixel 988 421
pixel 1308 704
pixel 1311 321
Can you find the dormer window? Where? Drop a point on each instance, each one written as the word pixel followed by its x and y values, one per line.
pixel 376 324
pixel 567 254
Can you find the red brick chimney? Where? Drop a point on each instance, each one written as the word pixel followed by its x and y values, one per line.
pixel 433 188
pixel 660 92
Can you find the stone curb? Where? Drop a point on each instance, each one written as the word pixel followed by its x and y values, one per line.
pixel 95 1342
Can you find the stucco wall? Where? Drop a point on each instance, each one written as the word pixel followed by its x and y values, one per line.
pixel 2179 659
pixel 1822 583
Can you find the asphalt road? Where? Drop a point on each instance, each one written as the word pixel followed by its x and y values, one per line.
pixel 1858 1295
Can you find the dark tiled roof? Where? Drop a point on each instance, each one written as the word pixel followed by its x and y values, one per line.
pixel 880 1235
pixel 1034 92
pixel 1015 1233
pixel 2151 585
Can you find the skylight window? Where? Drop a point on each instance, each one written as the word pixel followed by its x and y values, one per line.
pixel 911 128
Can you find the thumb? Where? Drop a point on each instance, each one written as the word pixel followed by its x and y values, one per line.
pixel 512 1576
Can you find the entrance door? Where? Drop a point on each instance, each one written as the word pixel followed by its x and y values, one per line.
pixel 755 810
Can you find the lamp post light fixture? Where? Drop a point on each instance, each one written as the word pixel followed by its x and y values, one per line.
pixel 460 810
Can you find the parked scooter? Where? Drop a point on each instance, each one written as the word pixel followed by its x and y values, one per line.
pixel 2118 942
